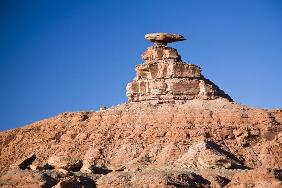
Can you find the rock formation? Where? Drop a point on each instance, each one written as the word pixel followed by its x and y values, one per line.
pixel 164 77
pixel 161 39
pixel 177 130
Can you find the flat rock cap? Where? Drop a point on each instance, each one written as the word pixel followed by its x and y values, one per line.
pixel 163 38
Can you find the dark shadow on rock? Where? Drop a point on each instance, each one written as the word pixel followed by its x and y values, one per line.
pixel 77 168
pixel 222 180
pixel 278 174
pixel 199 179
pixel 47 167
pixel 87 182
pixel 188 180
pixel 27 162
pixel 49 181
pixel 101 170
pixel 216 147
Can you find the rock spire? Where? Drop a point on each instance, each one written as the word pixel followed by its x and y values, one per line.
pixel 164 77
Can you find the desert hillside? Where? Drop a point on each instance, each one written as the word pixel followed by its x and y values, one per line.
pixel 177 130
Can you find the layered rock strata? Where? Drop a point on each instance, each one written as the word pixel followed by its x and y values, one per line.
pixel 164 77
pixel 195 143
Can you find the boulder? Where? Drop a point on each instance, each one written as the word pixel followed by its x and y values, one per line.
pixel 261 177
pixel 211 159
pixel 93 157
pixel 163 38
pixel 26 179
pixel 206 155
pixel 69 182
pixel 24 162
pixel 152 178
pixel 65 162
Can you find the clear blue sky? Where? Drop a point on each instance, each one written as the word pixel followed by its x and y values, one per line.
pixel 58 56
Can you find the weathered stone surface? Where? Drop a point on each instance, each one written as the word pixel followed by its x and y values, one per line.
pixel 92 160
pixel 163 77
pixel 151 178
pixel 64 162
pixel 172 90
pixel 143 143
pixel 26 179
pixel 209 159
pixel 155 53
pixel 217 181
pixel 207 155
pixel 69 182
pixel 261 177
pixel 163 38
pixel 165 70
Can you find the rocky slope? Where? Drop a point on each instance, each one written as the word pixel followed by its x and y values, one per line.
pixel 154 142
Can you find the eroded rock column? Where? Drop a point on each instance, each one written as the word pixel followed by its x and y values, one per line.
pixel 164 77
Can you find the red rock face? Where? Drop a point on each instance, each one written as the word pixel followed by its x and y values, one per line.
pixel 137 137
pixel 178 130
pixel 163 77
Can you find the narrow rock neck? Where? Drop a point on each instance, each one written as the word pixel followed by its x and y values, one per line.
pixel 157 53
